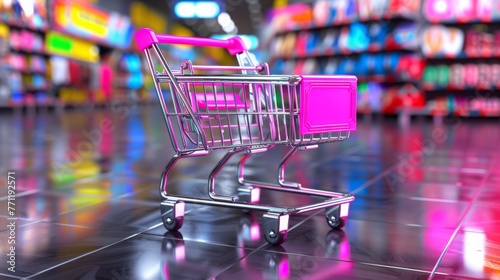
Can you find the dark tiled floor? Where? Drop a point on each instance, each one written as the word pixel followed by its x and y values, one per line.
pixel 87 203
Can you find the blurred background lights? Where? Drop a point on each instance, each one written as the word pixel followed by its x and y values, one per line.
pixel 197 9
pixel 227 23
pixel 224 19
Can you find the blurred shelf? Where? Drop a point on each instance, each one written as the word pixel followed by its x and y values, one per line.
pixel 331 52
pixel 30 72
pixel 30 52
pixel 436 89
pixel 463 23
pixel 18 23
pixel 462 56
pixel 35 89
pixel 426 111
pixel 386 18
pixel 385 79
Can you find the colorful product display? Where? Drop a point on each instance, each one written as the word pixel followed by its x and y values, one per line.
pixel 449 42
pixel 375 40
pixel 29 13
pixel 388 67
pixel 456 86
pixel 345 11
pixel 355 38
pixel 92 23
pixel 463 106
pixel 462 76
pixel 378 41
pixel 26 40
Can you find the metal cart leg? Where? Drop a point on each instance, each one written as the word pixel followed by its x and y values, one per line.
pixel 172 211
pixel 216 170
pixel 281 170
pixel 284 161
pixel 248 193
pixel 170 165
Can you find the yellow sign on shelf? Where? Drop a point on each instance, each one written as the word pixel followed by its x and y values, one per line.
pixel 60 44
pixel 92 21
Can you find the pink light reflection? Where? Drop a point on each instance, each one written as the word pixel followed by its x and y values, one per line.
pixel 284 269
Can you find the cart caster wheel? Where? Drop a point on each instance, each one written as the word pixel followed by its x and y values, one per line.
pixel 336 216
pixel 275 228
pixel 172 214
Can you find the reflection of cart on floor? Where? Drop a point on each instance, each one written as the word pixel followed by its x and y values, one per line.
pixel 248 113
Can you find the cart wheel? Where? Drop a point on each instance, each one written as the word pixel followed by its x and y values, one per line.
pixel 275 228
pixel 334 218
pixel 172 214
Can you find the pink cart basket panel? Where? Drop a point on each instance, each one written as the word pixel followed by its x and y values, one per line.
pixel 327 104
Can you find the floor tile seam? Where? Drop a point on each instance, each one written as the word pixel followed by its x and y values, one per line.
pixel 10 276
pixel 416 198
pixel 427 199
pixel 94 251
pixel 478 171
pixel 374 179
pixel 401 268
pixel 59 224
pixel 24 193
pixel 195 241
pixel 461 221
pixel 214 276
pixel 48 219
pixel 45 220
pixel 353 261
pixel 395 267
pixel 72 225
pixel 253 251
pixel 99 249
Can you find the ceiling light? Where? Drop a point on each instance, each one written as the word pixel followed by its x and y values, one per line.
pixel 197 9
pixel 224 19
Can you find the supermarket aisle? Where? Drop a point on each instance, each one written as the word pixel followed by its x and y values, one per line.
pixel 88 206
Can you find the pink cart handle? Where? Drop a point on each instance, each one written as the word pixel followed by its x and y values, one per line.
pixel 145 37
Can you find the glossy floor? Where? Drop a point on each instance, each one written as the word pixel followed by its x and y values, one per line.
pixel 87 203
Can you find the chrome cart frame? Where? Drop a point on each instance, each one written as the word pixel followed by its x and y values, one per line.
pixel 245 112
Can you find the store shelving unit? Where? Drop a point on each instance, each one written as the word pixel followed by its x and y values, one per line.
pixel 25 60
pixel 302 40
pixel 33 87
pixel 466 82
pixel 361 44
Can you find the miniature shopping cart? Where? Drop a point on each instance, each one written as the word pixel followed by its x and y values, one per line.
pixel 246 110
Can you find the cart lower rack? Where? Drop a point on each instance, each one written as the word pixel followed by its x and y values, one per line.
pixel 246 112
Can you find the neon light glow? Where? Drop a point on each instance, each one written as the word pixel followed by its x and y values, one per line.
pixel 202 9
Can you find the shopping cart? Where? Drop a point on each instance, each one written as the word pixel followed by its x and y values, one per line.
pixel 246 110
